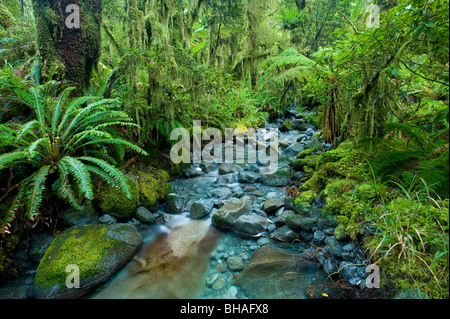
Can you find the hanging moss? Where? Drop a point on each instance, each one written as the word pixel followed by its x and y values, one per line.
pixel 6 18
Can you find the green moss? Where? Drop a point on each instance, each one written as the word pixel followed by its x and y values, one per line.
pixel 306 152
pixel 113 201
pixel 6 18
pixel 153 186
pixel 85 248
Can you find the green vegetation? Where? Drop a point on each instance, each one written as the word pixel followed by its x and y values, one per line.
pixel 378 86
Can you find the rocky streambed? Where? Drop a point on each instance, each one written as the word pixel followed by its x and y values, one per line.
pixel 225 231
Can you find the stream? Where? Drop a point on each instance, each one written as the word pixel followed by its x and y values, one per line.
pixel 182 257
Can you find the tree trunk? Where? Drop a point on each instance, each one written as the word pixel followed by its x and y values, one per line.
pixel 68 53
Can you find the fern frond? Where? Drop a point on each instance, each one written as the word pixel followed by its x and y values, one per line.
pixel 37 102
pixel 10 158
pixel 135 148
pixel 37 186
pixel 119 178
pixel 45 141
pixel 71 109
pixel 81 175
pixel 63 188
pixel 62 99
pixel 27 129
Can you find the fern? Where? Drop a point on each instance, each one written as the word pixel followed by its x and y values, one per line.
pixel 49 146
pixel 81 175
pixel 36 189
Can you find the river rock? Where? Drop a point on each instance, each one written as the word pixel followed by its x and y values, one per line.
pixel 145 216
pixel 208 168
pixel 272 205
pixel 175 204
pixel 192 172
pixel 38 245
pixel 228 168
pixel 284 233
pixel 170 266
pixel 250 225
pixel 235 263
pixel 201 208
pixel 281 219
pixel 274 273
pixel 107 219
pixel 225 216
pixel 226 179
pixel 97 250
pixel 278 179
pixel 222 193
pixel 293 150
pixel 247 177
pixel 86 215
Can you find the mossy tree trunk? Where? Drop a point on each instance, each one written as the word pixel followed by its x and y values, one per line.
pixel 68 54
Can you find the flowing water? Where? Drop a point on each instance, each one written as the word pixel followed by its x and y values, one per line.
pixel 185 258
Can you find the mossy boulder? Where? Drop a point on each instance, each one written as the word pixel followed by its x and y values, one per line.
pixel 153 187
pixel 97 250
pixel 115 202
pixel 286 126
pixel 307 152
pixel 147 187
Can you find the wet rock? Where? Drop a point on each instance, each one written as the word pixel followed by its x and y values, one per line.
pixel 334 246
pixel 107 219
pixel 222 193
pixel 230 212
pixel 272 204
pixel 247 177
pixel 145 216
pixel 286 126
pixel 201 208
pixel 219 284
pixel 318 237
pixel 98 250
pixel 228 168
pixel 208 168
pixel 293 150
pixel 192 172
pixel 38 246
pixel 250 225
pixel 278 179
pixel 351 273
pixel 87 215
pixel 285 275
pixel 226 179
pixel 284 233
pixel 235 263
pixel 281 219
pixel 310 132
pixel 330 266
pixel 175 204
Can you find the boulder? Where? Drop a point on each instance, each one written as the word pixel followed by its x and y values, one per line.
pixel 277 179
pixel 284 233
pixel 281 219
pixel 272 205
pixel 86 215
pixel 201 208
pixel 226 179
pixel 274 273
pixel 192 172
pixel 97 250
pixel 175 204
pixel 228 168
pixel 145 216
pixel 228 213
pixel 250 225
pixel 208 168
pixel 248 177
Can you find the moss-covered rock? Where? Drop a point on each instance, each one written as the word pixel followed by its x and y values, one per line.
pixel 97 250
pixel 6 18
pixel 153 187
pixel 115 202
pixel 307 152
